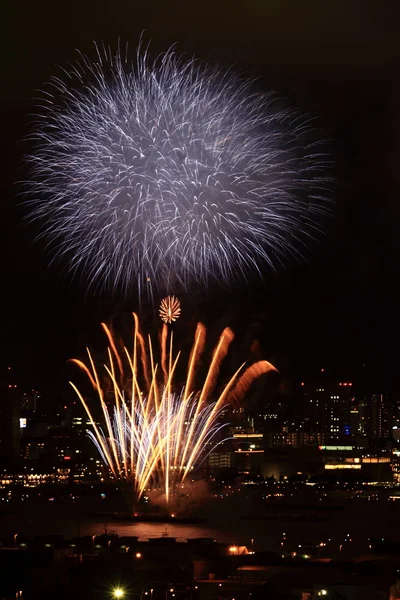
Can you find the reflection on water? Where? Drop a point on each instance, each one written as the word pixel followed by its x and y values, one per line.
pixel 224 524
pixel 154 530
pixel 71 520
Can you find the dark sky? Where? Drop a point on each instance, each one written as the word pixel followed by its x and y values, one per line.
pixel 338 60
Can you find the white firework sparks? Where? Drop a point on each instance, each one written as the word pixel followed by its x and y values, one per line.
pixel 161 174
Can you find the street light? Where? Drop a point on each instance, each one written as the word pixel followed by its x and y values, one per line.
pixel 118 593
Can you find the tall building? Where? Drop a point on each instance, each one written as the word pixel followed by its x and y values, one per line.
pixel 30 401
pixel 295 439
pixel 326 408
pixel 377 416
pixel 10 401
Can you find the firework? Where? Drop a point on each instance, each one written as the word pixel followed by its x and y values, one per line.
pixel 167 173
pixel 170 309
pixel 153 436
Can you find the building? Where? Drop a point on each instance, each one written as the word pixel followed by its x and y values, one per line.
pixel 294 439
pixel 30 401
pixel 219 461
pixel 10 433
pixel 356 461
pixel 377 415
pixel 249 453
pixel 326 408
pixel 396 465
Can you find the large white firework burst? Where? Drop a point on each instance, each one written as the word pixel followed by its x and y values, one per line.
pixel 161 174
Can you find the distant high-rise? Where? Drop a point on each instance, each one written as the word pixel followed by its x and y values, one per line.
pixel 326 408
pixel 30 401
pixel 10 402
pixel 378 416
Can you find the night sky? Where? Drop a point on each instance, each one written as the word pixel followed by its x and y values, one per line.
pixel 339 61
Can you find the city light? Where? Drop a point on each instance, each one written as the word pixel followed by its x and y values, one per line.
pixel 341 466
pixel 118 593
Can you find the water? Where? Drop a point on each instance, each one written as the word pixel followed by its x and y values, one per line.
pixel 360 519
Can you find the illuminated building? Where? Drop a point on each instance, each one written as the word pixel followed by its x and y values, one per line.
pixel 351 458
pixel 33 449
pixel 355 420
pixel 249 452
pixel 377 416
pixel 10 401
pixel 327 407
pixel 33 479
pixel 220 461
pixel 30 401
pixel 295 439
pixel 396 465
pixel 396 434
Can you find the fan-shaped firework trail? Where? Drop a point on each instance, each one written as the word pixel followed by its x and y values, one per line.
pixel 168 173
pixel 153 436
pixel 170 309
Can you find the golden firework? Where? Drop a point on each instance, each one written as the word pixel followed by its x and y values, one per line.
pixel 156 431
pixel 170 309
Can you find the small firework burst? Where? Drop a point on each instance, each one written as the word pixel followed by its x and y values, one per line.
pixel 170 309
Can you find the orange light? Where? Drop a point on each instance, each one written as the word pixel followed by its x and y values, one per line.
pixel 138 555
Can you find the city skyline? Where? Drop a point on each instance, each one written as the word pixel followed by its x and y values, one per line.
pixel 230 331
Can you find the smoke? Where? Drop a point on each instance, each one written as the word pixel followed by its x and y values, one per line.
pixel 187 497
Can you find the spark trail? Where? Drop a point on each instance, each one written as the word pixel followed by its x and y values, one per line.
pixel 168 174
pixel 153 436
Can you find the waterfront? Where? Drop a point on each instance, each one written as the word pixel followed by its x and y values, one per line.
pixel 274 529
